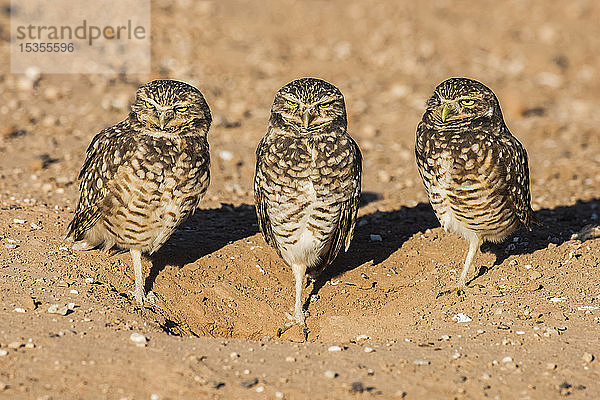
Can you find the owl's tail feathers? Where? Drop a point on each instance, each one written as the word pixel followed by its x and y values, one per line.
pixel 81 223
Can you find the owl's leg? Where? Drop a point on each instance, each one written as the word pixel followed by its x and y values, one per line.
pixel 461 285
pixel 138 293
pixel 474 244
pixel 298 317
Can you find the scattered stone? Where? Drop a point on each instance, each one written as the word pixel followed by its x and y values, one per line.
pixel 357 387
pixel 520 332
pixel 330 374
pixel 139 339
pixel 3 352
pixel 361 338
pixel 3 386
pixel 588 357
pixel 248 383
pixel 89 280
pixel 19 221
pixel 226 155
pixel 461 317
pixel 30 345
pixel 15 345
pixel 334 348
pixel 290 359
pixel 375 238
pixel 368 349
pixel 278 395
pixel 507 359
pixel 551 366
pixel 527 266
pixel 73 291
pixel 445 337
pixel 154 396
pixel 557 299
pixel 260 389
pixel 19 310
pixel 587 308
pixel 11 246
pixel 421 362
pixel 234 355
pixel 58 309
pixel 216 384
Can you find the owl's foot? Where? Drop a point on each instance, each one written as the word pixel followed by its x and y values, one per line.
pixel 460 292
pixel 141 298
pixel 297 319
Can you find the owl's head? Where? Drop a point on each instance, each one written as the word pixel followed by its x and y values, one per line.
pixel 309 106
pixel 172 107
pixel 460 101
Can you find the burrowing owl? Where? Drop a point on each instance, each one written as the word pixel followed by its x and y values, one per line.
pixel 145 175
pixel 307 181
pixel 475 172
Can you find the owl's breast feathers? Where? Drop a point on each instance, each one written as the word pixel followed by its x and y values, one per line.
pixel 319 173
pixel 129 174
pixel 481 173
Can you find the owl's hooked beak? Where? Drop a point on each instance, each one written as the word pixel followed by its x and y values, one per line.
pixel 307 118
pixel 164 118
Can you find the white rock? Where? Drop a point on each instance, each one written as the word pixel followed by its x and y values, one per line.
pixel 557 299
pixel 369 349
pixel 445 337
pixel 421 362
pixel 73 291
pixel 330 374
pixel 260 389
pixel 139 339
pixel 587 308
pixel 154 396
pixel 290 359
pixel 19 221
pixel 3 352
pixel 462 317
pixel 334 348
pixel 507 359
pixel 226 155
pixel 520 332
pixel 89 280
pixel 20 310
pixel 233 355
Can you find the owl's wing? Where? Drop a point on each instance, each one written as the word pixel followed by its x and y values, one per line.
pixel 104 155
pixel 260 198
pixel 517 174
pixel 349 209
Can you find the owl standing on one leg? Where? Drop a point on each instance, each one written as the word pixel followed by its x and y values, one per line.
pixel 145 175
pixel 475 172
pixel 307 181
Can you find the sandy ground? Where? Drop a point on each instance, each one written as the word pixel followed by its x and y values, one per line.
pixel 221 292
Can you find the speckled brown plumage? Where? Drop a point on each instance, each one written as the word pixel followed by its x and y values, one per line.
pixel 475 172
pixel 145 175
pixel 307 182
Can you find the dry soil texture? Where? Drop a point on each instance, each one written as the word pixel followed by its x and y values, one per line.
pixel 221 292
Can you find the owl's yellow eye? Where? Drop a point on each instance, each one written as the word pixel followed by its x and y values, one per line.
pixel 148 104
pixel 291 103
pixel 468 102
pixel 326 105
pixel 181 109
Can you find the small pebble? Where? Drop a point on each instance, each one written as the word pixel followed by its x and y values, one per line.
pixel 19 221
pixel 139 339
pixel 375 238
pixel 154 396
pixel 330 374
pixel 73 291
pixel 19 310
pixel 278 395
pixel 3 352
pixel 421 362
pixel 58 309
pixel 557 299
pixel 334 348
pixel 445 337
pixel 260 389
pixel 248 383
pixel 369 349
pixel 3 386
pixel 587 308
pixel 520 332
pixel 89 280
pixel 234 355
pixel 290 359
pixel 587 357
pixel 357 387
pixel 507 359
pixel 15 345
pixel 527 266
pixel 461 317
pixel 11 245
